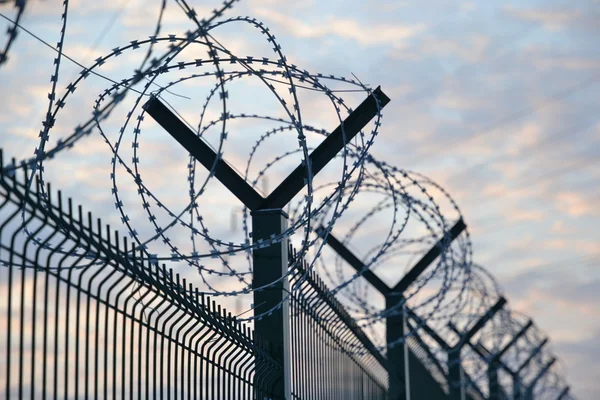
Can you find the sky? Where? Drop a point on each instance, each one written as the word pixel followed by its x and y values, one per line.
pixel 494 101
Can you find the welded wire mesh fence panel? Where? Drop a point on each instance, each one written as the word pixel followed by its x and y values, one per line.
pixel 108 326
pixel 426 372
pixel 429 375
pixel 331 356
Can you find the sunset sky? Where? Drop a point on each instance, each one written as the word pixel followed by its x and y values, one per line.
pixel 495 101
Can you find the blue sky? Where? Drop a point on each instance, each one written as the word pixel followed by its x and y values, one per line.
pixel 495 101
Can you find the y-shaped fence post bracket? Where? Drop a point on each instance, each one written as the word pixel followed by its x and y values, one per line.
pixel 394 323
pixel 454 361
pixel 482 352
pixel 534 381
pixel 494 363
pixel 563 393
pixel 517 382
pixel 394 296
pixel 268 219
pixel 295 181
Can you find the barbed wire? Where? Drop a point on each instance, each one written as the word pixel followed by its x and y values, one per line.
pixel 12 31
pixel 289 74
pixel 418 212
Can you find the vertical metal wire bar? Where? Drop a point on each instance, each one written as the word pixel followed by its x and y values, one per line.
pixel 9 312
pixel 33 299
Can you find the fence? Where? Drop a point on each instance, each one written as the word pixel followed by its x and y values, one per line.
pixel 113 328
pixel 76 325
pixel 331 356
pixel 84 317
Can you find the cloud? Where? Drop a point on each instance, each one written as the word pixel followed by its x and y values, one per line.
pixel 578 354
pixel 576 204
pixel 549 18
pixel 173 16
pixel 366 35
pixel 471 49
pixel 476 105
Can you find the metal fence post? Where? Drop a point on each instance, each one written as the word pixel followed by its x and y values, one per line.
pixel 270 261
pixel 517 387
pixel 394 331
pixel 455 373
pixel 268 219
pixel 455 388
pixel 493 383
pixel 398 355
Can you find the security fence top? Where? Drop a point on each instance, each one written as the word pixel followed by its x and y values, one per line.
pixel 97 244
pixel 410 276
pixel 532 355
pixel 266 270
pixel 480 323
pixel 496 357
pixel 296 180
pixel 270 312
pixel 539 375
pixel 431 332
pixel 482 352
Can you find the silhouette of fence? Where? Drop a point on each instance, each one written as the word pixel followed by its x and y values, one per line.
pixel 114 327
pixel 84 316
pixel 110 326
pixel 331 356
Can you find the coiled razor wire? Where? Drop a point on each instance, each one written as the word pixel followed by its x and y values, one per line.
pixel 453 290
pixel 406 196
pixel 482 292
pixel 333 205
pixel 12 31
pixel 237 67
pixel 492 337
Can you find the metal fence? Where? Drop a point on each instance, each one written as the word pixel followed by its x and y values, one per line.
pixel 331 356
pixel 85 318
pixel 113 327
pixel 82 316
